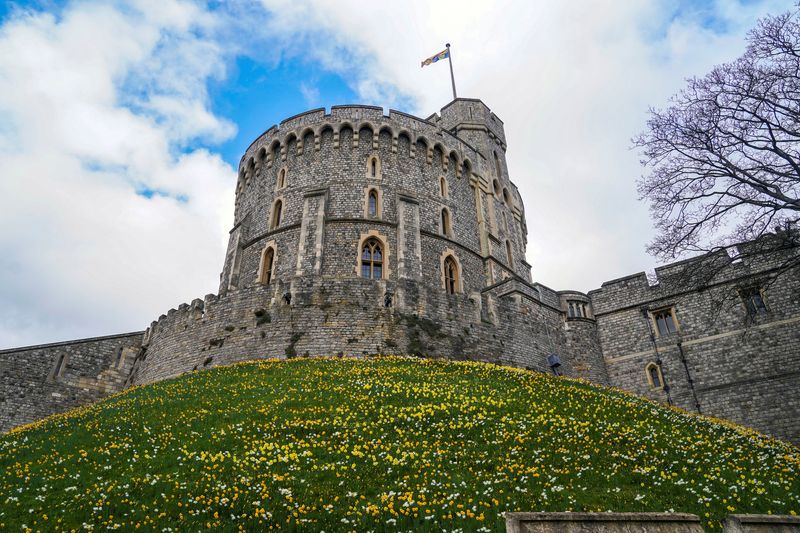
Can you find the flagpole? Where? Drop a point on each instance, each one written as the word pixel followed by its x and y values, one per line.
pixel 452 78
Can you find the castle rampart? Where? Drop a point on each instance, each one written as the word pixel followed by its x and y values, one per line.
pixel 358 232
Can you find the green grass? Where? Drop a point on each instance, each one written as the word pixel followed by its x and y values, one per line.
pixel 383 443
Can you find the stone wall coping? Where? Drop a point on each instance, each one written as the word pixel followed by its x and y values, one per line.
pixel 761 519
pixel 309 112
pixel 68 343
pixel 604 517
pixel 515 521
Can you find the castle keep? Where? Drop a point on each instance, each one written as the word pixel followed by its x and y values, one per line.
pixel 358 233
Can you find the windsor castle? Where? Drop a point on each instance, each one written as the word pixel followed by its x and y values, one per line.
pixel 358 233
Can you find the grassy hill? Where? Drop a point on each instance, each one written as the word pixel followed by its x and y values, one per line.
pixel 384 443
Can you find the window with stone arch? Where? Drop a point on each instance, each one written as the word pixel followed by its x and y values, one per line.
pixel 277 209
pixel 374 167
pixel 452 281
pixel 447 229
pixel 267 267
pixel 497 165
pixel 373 204
pixel 509 253
pixel 506 197
pixel 443 191
pixel 496 187
pixel 372 259
pixel 282 178
pixel 654 376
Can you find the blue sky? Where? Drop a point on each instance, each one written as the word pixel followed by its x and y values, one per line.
pixel 256 95
pixel 122 124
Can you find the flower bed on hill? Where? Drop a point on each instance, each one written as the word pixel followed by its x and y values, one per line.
pixel 375 444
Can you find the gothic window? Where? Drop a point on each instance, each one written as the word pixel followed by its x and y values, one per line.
pixel 509 254
pixel 372 259
pixel 666 321
pixel 654 376
pixel 374 167
pixel 282 178
pixel 372 203
pixel 754 303
pixel 451 281
pixel 267 262
pixel 443 187
pixel 446 229
pixel 276 214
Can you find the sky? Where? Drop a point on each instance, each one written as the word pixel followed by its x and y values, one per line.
pixel 122 125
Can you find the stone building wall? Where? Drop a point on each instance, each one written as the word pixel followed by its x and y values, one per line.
pixel 315 302
pixel 37 381
pixel 720 361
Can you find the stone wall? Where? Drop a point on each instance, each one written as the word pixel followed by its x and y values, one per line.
pixel 643 523
pixel 721 361
pixel 504 324
pixel 37 381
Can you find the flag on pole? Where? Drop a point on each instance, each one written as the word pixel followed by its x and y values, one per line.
pixel 444 54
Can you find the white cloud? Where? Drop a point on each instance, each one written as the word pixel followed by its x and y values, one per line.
pixel 572 82
pixel 95 105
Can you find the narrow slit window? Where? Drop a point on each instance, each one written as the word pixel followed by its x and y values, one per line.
pixel 282 179
pixel 59 368
pixel 450 275
pixel 276 214
pixel 654 376
pixel 445 222
pixel 372 207
pixel 373 168
pixel 269 259
pixel 509 254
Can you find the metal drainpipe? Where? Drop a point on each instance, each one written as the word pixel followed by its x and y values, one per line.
pixel 646 315
pixel 689 378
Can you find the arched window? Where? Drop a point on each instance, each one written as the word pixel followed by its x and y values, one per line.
pixel 506 197
pixel 372 203
pixel 276 214
pixel 372 259
pixel 654 376
pixel 446 230
pixel 267 262
pixel 496 186
pixel 374 167
pixel 282 178
pixel 443 187
pixel 508 253
pixel 450 275
pixel 497 165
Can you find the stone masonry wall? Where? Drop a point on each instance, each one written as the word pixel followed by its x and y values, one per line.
pixel 350 318
pixel 721 361
pixel 37 381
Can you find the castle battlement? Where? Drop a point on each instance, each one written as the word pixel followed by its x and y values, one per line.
pixel 359 232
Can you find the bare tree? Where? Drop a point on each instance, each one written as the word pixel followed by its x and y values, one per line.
pixel 723 159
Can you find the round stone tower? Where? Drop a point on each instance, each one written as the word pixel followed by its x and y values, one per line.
pixel 357 233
